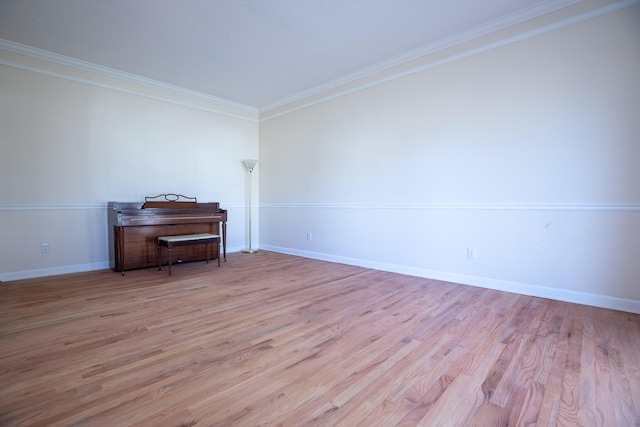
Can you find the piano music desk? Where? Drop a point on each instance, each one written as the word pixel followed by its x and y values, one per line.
pixel 170 242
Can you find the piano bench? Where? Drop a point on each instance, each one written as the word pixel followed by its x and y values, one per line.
pixel 170 242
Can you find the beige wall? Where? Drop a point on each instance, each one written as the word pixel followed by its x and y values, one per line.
pixel 527 152
pixel 524 148
pixel 72 141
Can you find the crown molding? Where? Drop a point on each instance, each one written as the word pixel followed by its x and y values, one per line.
pixel 447 42
pixel 66 61
pixel 297 101
pixel 271 111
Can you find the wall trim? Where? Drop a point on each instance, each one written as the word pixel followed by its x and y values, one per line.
pixel 70 269
pixel 634 207
pixel 81 207
pixel 53 271
pixel 267 112
pixel 52 207
pixel 131 78
pixel 596 300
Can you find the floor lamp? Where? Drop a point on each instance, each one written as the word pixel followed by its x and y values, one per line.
pixel 250 164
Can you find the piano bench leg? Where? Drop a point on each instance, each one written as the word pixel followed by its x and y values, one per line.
pixel 160 259
pixel 187 242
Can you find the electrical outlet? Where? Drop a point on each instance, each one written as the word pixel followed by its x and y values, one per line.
pixel 309 236
pixel 471 253
pixel 44 248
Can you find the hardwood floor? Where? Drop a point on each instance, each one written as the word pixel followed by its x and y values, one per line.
pixel 272 339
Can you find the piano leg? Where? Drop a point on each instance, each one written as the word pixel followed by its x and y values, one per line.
pixel 119 245
pixel 224 242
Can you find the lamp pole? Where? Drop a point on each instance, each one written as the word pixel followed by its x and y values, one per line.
pixel 250 164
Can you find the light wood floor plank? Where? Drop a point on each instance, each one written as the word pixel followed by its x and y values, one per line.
pixel 278 340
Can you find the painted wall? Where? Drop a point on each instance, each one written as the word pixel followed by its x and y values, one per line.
pixel 527 152
pixel 72 140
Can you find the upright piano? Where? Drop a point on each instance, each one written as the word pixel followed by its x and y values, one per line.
pixel 134 229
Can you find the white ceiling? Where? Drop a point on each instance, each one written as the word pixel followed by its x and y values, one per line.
pixel 254 52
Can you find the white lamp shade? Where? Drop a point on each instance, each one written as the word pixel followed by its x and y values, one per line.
pixel 250 163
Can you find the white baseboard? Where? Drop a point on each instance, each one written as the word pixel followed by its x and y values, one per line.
pixel 68 269
pixel 595 300
pixel 53 271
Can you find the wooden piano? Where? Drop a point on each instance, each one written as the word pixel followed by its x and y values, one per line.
pixel 134 229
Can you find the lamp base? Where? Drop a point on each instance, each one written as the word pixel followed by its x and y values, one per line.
pixel 249 251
